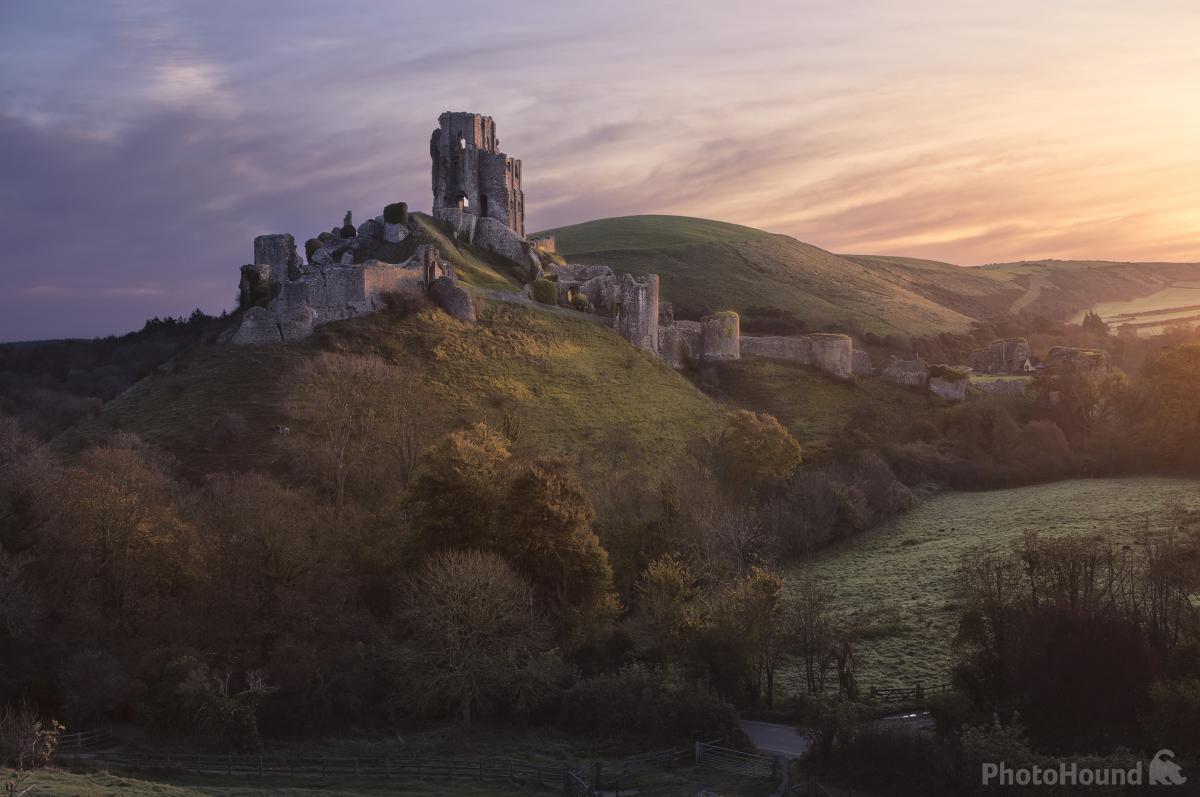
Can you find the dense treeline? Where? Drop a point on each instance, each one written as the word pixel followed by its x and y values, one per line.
pixel 50 385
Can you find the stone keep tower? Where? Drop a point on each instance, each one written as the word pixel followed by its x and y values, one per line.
pixel 472 175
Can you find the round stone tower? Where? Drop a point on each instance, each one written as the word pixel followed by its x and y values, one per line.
pixel 721 337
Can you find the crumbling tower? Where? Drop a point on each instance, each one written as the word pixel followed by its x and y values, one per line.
pixel 471 175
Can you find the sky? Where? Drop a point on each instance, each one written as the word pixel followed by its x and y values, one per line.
pixel 144 143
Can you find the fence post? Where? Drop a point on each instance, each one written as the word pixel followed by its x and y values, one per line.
pixel 229 763
pixel 356 767
pixel 197 763
pixel 387 767
pixel 697 753
pixel 323 765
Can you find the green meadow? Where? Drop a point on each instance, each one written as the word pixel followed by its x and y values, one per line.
pixel 895 586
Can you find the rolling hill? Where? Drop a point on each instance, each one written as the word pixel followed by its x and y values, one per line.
pixel 708 265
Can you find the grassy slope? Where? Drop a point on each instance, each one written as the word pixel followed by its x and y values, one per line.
pixel 578 388
pixel 712 265
pixel 813 406
pixel 476 267
pixel 895 583
pixel 976 292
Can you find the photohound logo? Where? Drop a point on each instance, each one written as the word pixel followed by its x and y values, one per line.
pixel 1164 771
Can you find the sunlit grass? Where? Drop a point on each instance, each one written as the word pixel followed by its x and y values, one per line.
pixel 894 584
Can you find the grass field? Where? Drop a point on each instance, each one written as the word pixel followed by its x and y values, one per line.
pixel 1150 314
pixel 894 584
pixel 684 782
pixel 493 743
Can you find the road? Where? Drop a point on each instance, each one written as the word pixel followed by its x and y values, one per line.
pixel 776 739
pixel 786 740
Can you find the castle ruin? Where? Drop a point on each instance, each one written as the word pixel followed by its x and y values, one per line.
pixel 478 199
pixel 471 175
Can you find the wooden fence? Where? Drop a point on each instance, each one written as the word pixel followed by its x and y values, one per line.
pixel 752 765
pixel 809 786
pixel 84 741
pixel 330 766
pixel 906 695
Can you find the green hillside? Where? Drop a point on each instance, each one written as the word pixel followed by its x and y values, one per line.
pixel 976 292
pixel 573 386
pixel 815 407
pixel 707 265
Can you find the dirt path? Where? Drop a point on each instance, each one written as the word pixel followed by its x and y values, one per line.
pixel 1036 283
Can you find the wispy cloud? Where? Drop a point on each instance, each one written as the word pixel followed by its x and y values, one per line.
pixel 145 143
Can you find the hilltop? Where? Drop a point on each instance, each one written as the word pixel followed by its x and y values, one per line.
pixel 568 385
pixel 711 265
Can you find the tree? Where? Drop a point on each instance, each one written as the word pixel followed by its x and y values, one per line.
pixel 754 453
pixel 267 569
pixel 666 605
pixel 754 605
pixel 121 546
pixel 544 529
pixel 1093 324
pixel 474 625
pixel 808 613
pixel 456 489
pixel 353 411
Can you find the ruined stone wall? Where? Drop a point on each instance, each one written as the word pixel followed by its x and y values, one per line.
pixel 471 174
pixel 948 382
pixel 492 235
pixel 679 343
pixel 545 243
pixel 637 317
pixel 1006 356
pixel 829 352
pixel 1002 387
pixel 862 362
pixel 906 372
pixel 278 252
pixel 1065 359
pixel 317 294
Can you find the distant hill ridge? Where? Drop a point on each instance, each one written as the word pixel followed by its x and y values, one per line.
pixel 718 265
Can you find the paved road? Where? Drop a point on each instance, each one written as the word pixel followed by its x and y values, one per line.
pixel 785 740
pixel 776 739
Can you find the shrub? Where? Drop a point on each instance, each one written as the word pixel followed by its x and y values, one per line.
pixel 403 303
pixel 325 237
pixel 580 302
pixel 649 703
pixel 310 247
pixel 545 291
pixel 348 231
pixel 396 213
